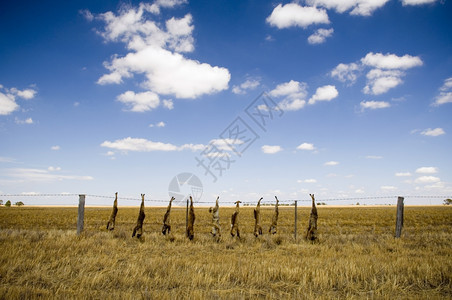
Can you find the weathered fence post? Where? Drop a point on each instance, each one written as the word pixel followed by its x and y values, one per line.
pixel 399 218
pixel 81 213
pixel 296 216
pixel 186 217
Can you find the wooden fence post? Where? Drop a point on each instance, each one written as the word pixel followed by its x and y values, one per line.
pixel 399 218
pixel 296 216
pixel 186 216
pixel 81 213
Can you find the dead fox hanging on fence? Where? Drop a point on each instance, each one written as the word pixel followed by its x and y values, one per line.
pixel 139 228
pixel 311 233
pixel 111 222
pixel 257 219
pixel 235 220
pixel 215 211
pixel 166 219
pixel 274 225
pixel 191 221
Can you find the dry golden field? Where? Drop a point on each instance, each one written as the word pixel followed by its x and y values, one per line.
pixel 356 256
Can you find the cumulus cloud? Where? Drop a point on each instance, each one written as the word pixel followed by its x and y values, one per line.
pixel 168 104
pixel 356 7
pixel 306 146
pixel 374 104
pixel 427 170
pixel 417 2
pixel 156 52
pixel 292 14
pixel 320 35
pixel 324 93
pixel 387 71
pixel 159 124
pixel 427 179
pixel 388 188
pixel 433 132
pixel 8 97
pixel 26 121
pixel 271 149
pixel 293 94
pixel 139 102
pixel 346 72
pixel 331 163
pixel 391 61
pixel 445 93
pixel 249 84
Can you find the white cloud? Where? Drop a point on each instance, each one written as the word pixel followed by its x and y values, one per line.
pixel 417 2
pixel 294 94
pixel 388 188
pixel 433 132
pixel 155 52
pixel 53 169
pixel 427 179
pixel 306 146
pixel 55 148
pixel 346 72
pixel 380 81
pixel 357 7
pixel 331 163
pixel 24 174
pixel 249 84
pixel 87 14
pixel 310 180
pixel 324 93
pixel 139 102
pixel 292 14
pixel 402 174
pixel 391 61
pixel 155 7
pixel 144 145
pixel 25 94
pixel 110 153
pixel 168 104
pixel 7 104
pixel 374 104
pixel 445 93
pixel 320 35
pixel 26 121
pixel 159 124
pixel 271 149
pixel 427 170
pixel 225 144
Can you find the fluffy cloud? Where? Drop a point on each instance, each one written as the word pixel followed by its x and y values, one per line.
pixel 417 2
pixel 55 148
pixel 388 188
pixel 139 102
pixel 386 73
pixel 427 179
pixel 433 132
pixel 374 104
pixel 159 124
pixel 346 72
pixel 292 14
pixel 324 93
pixel 320 35
pixel 271 149
pixel 311 180
pixel 249 84
pixel 445 93
pixel 331 163
pixel 26 121
pixel 357 7
pixel 168 104
pixel 427 170
pixel 8 97
pixel 306 146
pixel 294 94
pixel 155 52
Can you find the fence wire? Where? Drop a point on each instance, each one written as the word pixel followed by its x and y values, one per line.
pixel 247 202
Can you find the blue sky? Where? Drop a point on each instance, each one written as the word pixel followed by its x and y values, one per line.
pixel 100 97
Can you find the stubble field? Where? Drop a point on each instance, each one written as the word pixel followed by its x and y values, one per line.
pixel 356 256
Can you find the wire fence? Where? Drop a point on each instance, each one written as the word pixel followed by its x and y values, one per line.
pixel 269 201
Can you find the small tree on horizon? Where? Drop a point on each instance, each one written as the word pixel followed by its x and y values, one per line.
pixel 19 203
pixel 8 203
pixel 447 201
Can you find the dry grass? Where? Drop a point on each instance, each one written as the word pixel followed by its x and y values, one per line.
pixel 356 257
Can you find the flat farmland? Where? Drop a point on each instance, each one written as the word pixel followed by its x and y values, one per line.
pixel 356 256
